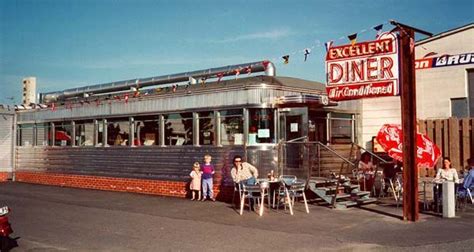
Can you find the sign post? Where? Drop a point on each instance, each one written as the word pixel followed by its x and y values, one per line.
pixel 408 102
pixel 409 124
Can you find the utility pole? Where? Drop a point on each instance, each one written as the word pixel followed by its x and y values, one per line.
pixel 409 123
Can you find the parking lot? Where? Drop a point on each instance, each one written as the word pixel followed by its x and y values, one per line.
pixel 46 218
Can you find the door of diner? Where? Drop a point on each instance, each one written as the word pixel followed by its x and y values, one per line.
pixel 293 124
pixel 293 127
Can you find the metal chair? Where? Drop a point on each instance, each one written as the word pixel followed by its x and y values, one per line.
pixel 286 179
pixel 250 192
pixel 379 185
pixel 239 190
pixel 264 192
pixel 297 190
pixel 283 192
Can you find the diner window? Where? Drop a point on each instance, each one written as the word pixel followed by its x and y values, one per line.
pixel 206 128
pixel 25 135
pixel 100 132
pixel 341 128
pixel 232 127
pixel 43 134
pixel 459 107
pixel 85 133
pixel 179 129
pixel 63 134
pixel 118 131
pixel 147 130
pixel 261 126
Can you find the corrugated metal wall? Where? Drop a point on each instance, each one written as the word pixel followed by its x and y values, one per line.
pixel 151 162
pixel 6 141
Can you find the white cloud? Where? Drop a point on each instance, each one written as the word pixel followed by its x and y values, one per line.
pixel 157 62
pixel 273 34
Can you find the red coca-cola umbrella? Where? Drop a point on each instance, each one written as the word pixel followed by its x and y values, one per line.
pixel 390 137
pixel 60 135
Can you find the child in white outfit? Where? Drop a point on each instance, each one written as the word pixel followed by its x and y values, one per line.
pixel 195 184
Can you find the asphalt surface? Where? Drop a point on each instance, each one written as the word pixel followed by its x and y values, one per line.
pixel 46 218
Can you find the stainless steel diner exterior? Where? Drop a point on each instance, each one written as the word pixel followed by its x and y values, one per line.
pixel 159 133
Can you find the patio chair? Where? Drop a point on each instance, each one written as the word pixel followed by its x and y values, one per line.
pixel 396 187
pixel 237 189
pixel 283 194
pixel 264 193
pixel 297 190
pixel 287 179
pixel 250 192
pixel 379 185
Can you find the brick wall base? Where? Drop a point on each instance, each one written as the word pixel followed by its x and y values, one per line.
pixel 3 176
pixel 144 186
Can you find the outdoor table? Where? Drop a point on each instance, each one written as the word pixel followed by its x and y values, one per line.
pixel 274 185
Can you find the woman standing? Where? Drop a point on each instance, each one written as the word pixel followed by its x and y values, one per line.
pixel 447 173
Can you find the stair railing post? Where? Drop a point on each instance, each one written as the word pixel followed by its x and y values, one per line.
pixel 319 160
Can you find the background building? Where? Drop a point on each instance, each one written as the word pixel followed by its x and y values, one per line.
pixel 445 89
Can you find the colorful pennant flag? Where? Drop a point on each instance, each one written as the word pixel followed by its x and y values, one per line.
pixel 378 29
pixel 328 45
pixel 219 76
pixel 248 70
pixel 353 38
pixel 307 51
pixel 286 59
pixel 237 73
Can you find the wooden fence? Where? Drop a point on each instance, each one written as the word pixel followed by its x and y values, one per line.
pixel 455 138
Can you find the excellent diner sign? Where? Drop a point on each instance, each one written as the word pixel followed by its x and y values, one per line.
pixel 363 70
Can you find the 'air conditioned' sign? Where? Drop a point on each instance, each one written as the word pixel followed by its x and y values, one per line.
pixel 363 70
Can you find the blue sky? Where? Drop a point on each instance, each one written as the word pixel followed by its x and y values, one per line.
pixel 67 43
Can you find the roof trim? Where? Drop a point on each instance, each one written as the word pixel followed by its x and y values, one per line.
pixel 445 34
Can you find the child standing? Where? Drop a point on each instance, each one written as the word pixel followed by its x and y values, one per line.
pixel 195 185
pixel 207 176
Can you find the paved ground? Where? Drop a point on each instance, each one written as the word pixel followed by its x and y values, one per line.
pixel 48 218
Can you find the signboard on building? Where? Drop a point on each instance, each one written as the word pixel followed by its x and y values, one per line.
pixel 444 61
pixel 363 70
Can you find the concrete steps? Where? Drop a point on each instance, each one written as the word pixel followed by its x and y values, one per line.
pixel 348 194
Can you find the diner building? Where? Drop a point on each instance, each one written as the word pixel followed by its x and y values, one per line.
pixel 143 135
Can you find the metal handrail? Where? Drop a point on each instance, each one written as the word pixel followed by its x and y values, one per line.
pixel 295 141
pixel 371 153
pixel 337 154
